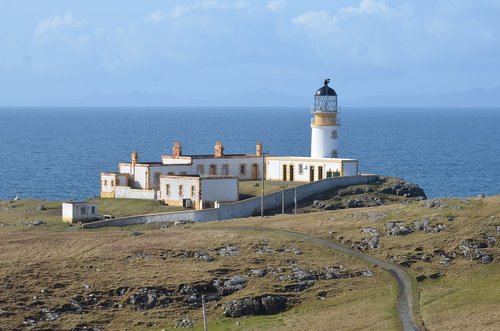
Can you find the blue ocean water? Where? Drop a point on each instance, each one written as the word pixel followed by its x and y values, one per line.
pixel 58 154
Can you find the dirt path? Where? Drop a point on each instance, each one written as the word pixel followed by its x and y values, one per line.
pixel 405 298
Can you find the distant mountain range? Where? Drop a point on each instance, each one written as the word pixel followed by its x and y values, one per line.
pixel 266 98
pixel 468 98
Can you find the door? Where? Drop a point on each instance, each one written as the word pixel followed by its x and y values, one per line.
pixel 311 174
pixel 255 171
pixel 284 172
pixel 291 172
pixel 320 173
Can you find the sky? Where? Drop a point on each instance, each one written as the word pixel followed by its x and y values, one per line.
pixel 205 48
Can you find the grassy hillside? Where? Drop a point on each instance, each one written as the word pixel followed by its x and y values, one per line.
pixel 148 277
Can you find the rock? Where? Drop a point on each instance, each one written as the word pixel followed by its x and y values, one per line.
pixel 486 259
pixel 228 250
pixel 444 203
pixel 425 226
pixel 203 256
pixel 229 285
pixel 37 223
pixel 258 272
pixel 184 323
pixel 421 278
pixel 363 202
pixel 264 249
pixel 400 187
pixel 261 305
pixel 436 275
pixel 352 190
pixel 396 229
pixel 150 297
pixel 136 233
pixel 41 208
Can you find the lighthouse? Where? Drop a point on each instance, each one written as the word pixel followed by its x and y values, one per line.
pixel 325 123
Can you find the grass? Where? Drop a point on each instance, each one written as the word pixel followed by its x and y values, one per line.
pixel 253 188
pixel 466 297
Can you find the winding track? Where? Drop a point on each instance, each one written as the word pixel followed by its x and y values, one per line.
pixel 405 296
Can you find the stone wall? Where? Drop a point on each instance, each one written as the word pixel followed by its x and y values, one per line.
pixel 240 209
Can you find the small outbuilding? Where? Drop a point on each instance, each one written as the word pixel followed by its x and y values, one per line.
pixel 74 212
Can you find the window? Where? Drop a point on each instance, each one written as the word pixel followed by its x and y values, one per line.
pixel 212 170
pixel 183 173
pixel 193 191
pixel 301 168
pixel 167 189
pixel 171 173
pixel 93 210
pixel 112 183
pixel 83 210
pixel 200 169
pixel 181 190
pixel 334 153
pixel 225 169
pixel 117 182
pixel 243 169
pixel 334 134
pixel 105 182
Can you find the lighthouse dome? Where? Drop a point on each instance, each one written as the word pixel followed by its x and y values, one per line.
pixel 325 90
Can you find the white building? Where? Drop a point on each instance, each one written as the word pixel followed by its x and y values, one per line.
pixel 73 212
pixel 198 191
pixel 324 161
pixel 142 179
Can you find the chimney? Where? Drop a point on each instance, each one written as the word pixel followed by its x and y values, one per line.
pixel 259 148
pixel 134 157
pixel 177 150
pixel 219 149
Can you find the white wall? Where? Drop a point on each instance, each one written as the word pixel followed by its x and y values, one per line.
pixel 128 193
pixel 175 182
pixel 219 189
pixel 350 168
pixel 322 143
pixel 67 210
pixel 108 182
pixel 275 167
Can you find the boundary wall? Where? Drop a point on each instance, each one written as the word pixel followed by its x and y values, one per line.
pixel 240 209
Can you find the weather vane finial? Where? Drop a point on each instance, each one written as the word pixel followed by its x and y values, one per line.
pixel 326 81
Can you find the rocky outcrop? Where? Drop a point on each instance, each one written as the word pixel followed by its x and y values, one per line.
pixel 150 297
pixel 400 187
pixel 396 229
pixel 352 190
pixel 228 250
pixel 261 305
pixel 360 202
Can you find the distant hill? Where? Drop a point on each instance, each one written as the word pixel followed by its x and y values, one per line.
pixel 257 98
pixel 468 98
pixel 267 98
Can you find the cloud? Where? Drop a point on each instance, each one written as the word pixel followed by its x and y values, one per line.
pixel 277 5
pixel 155 17
pixel 207 5
pixel 316 20
pixel 57 22
pixel 368 7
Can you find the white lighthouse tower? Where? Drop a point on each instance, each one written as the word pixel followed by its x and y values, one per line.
pixel 325 123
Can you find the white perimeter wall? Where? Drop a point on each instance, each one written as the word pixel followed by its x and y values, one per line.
pixel 245 208
pixel 220 189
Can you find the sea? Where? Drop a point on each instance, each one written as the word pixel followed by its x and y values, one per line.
pixel 59 153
